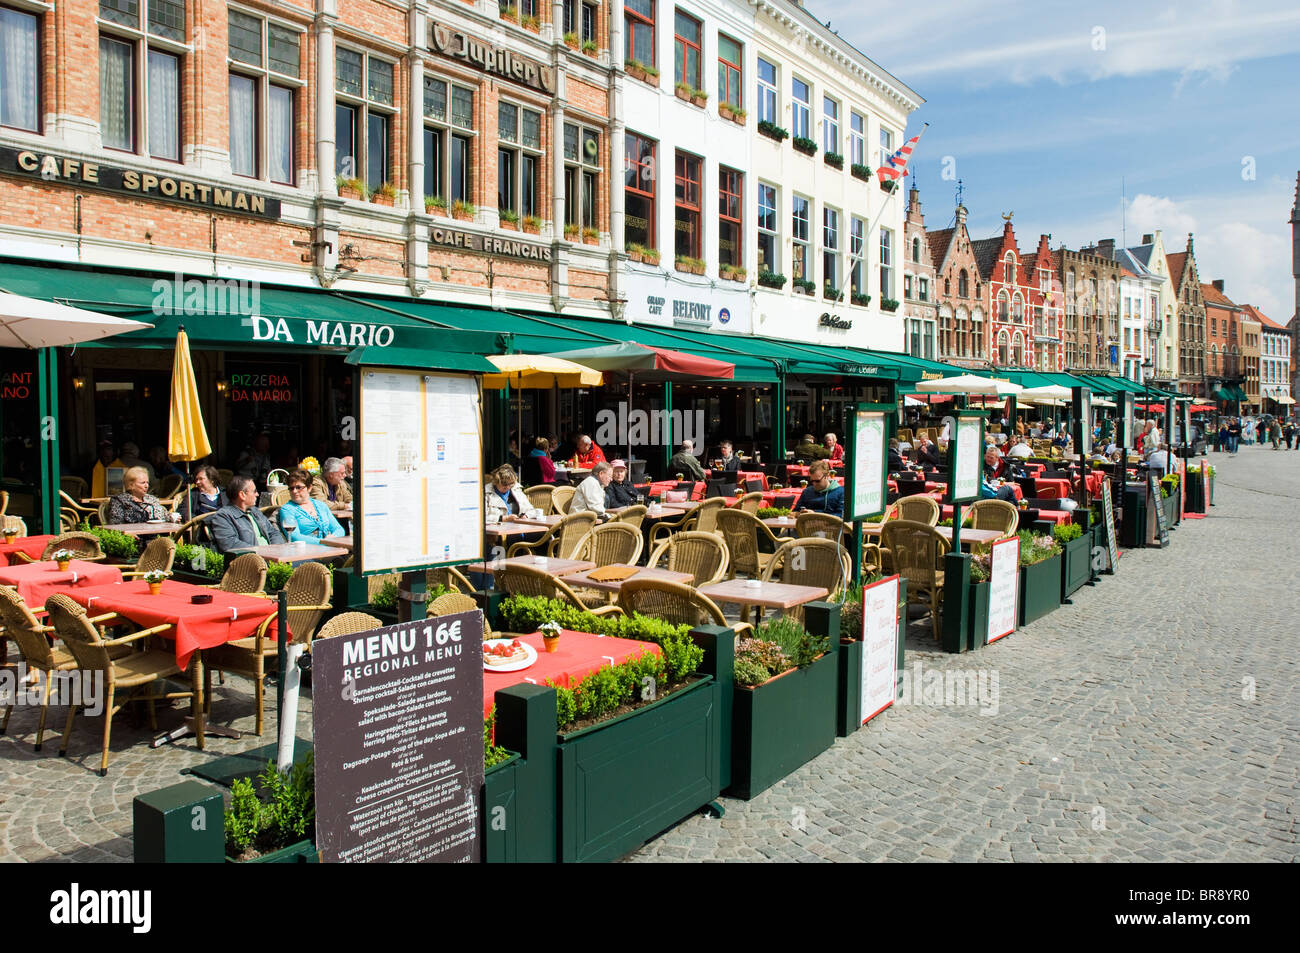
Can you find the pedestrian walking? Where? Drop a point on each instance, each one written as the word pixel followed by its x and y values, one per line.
pixel 1275 434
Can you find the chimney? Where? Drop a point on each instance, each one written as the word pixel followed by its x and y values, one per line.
pixel 1218 285
pixel 1148 239
pixel 1106 248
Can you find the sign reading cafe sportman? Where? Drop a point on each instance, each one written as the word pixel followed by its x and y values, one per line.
pixel 492 59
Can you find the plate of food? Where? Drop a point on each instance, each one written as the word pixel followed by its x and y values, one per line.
pixel 507 655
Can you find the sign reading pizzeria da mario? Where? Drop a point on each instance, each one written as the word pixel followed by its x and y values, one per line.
pixel 132 182
pixel 496 60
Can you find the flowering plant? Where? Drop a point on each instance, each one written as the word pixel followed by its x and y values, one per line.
pixel 63 555
pixel 311 465
pixel 550 630
pixel 156 575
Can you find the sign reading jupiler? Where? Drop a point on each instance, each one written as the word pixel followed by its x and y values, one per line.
pixel 491 59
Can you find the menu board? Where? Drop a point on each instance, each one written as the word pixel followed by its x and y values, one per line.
pixel 1186 422
pixel 421 490
pixel 1157 504
pixel 969 457
pixel 398 721
pixel 880 646
pixel 1108 520
pixel 868 464
pixel 1004 589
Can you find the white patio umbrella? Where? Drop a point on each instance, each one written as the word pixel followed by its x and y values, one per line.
pixel 30 323
pixel 1046 392
pixel 910 401
pixel 970 384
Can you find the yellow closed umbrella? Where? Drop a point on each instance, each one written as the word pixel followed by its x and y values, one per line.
pixel 538 372
pixel 187 438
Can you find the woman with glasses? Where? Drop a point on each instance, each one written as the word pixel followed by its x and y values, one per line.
pixel 303 518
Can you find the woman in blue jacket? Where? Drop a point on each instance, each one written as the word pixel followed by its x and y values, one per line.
pixel 311 519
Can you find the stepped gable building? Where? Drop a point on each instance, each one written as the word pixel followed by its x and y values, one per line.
pixel 1191 320
pixel 959 294
pixel 920 302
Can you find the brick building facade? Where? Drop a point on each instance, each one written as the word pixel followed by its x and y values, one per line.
pixel 920 305
pixel 959 292
pixel 1192 366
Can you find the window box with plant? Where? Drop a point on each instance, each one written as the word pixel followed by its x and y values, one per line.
pixel 571 40
pixel 1076 557
pixel 689 265
pixel 805 145
pixel 1040 576
pixel 848 715
pixel 831 293
pixel 572 232
pixel 889 185
pixel 384 194
pixel 859 171
pixel 732 273
pixel 639 70
pixel 683 91
pixel 859 299
pixel 770 279
pixel 509 219
pixel 785 701
pixel 772 130
pixel 734 113
pixel 833 159
pixel 590 48
pixel 435 205
pixel 532 24
pixel 590 235
pixel 508 13
pixel 804 286
pixel 889 304
pixel 699 97
pixel 463 211
pixel 353 189
pixel 531 224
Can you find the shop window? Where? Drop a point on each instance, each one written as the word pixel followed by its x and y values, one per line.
pixel 263 89
pixel 768 257
pixel 20 70
pixel 139 55
pixel 688 205
pixel 731 189
pixel 364 114
pixel 639 192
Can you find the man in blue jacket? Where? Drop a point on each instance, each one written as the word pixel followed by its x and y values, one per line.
pixel 822 495
pixel 241 525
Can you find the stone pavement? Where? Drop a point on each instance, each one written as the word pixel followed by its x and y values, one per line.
pixel 1125 726
pixel 1120 731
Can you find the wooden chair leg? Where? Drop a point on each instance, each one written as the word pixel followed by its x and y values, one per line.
pixel 153 712
pixel 257 691
pixel 108 728
pixel 67 730
pixel 45 707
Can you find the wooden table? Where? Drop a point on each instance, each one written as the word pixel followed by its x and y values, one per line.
pixel 769 595
pixel 553 567
pixel 501 532
pixel 547 521
pixel 779 522
pixel 584 579
pixel 144 529
pixel 343 542
pixel 292 553
pixel 967 535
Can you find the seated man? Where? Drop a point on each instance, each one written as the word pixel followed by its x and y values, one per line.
pixel 927 453
pixel 332 485
pixel 896 462
pixel 590 494
pixel 620 491
pixel 995 469
pixel 730 462
pixel 684 462
pixel 809 449
pixel 823 494
pixel 589 454
pixel 241 525
pixel 1020 449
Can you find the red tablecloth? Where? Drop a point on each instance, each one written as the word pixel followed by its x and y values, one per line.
pixel 1033 469
pixel 1063 489
pixel 577 656
pixel 228 617
pixel 664 486
pixel 743 475
pixel 32 546
pixel 1094 480
pixel 35 582
pixel 1059 517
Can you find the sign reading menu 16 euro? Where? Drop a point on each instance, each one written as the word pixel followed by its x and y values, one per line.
pixel 421 499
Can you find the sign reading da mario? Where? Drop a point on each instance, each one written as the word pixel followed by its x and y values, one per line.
pixel 492 59
pixel 132 182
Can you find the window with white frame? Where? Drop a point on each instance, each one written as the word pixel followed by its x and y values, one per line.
pixel 857 247
pixel 799 225
pixel 907 287
pixel 20 70
pixel 265 72
pixel 364 111
pixel 857 139
pixel 519 158
pixel 768 258
pixel 767 98
pixel 923 289
pixel 579 18
pixel 886 146
pixel 831 250
pixel 140 53
pixel 886 263
pixel 448 140
pixel 581 175
pixel 801 115
pixel 830 125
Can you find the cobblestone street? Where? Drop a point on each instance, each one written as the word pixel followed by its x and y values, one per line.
pixel 1121 730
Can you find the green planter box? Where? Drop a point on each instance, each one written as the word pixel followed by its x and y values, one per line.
pixel 625 780
pixel 1040 589
pixel 977 619
pixel 1171 510
pixel 498 823
pixel 1076 564
pixel 782 724
pixel 303 852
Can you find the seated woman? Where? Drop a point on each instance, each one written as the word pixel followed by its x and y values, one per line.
pixel 503 499
pixel 304 519
pixel 538 467
pixel 206 496
pixel 137 505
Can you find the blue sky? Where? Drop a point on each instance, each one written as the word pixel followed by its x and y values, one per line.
pixel 1048 110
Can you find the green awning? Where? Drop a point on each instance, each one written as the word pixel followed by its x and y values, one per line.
pixel 420 359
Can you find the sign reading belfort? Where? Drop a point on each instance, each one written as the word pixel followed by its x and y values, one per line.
pixel 492 59
pixel 168 188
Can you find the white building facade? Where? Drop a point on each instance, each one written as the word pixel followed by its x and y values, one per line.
pixel 1275 365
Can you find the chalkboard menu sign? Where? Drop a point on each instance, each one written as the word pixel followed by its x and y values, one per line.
pixel 398 722
pixel 1162 522
pixel 1108 520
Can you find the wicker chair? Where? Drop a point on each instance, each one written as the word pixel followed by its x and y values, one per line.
pixel 807 561
pixel 453 602
pixel 17 523
pixel 750 503
pixel 541 497
pixel 702 519
pixel 102 511
pixel 70 509
pixel 280 496
pixel 74 486
pixel 674 602
pixel 94 657
pixel 611 543
pixel 703 555
pixel 169 485
pixel 158 555
pixel 449 577
pixel 743 533
pixel 905 435
pixel 918 509
pixel 561 540
pixel 245 574
pixel 633 516
pixel 85 545
pixel 348 623
pixel 917 551
pixel 522 580
pixel 996 515
pixel 822 526
pixel 308 594
pixel 560 497
pixel 192 531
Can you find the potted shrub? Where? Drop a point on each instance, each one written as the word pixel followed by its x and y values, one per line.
pixel 117 546
pixel 1040 576
pixel 635 252
pixel 772 130
pixel 805 286
pixel 435 205
pixel 279 825
pixel 532 224
pixel 571 40
pixel 830 292
pixel 856 297
pixel 734 113
pixel 63 557
pixel 805 145
pixel 572 232
pixel 532 24
pixel 859 171
pixel 889 304
pixel 834 160
pixel 1076 557
pixel 590 235
pixel 383 603
pixel 384 194
pixel 590 48
pixel 463 211
pixel 154 578
pixel 683 91
pixel 353 189
pixel 784 707
pixel 509 219
pixel 699 97
pixel 770 279
pixel 650 256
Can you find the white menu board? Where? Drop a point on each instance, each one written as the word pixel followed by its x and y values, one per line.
pixel 1004 589
pixel 421 498
pixel 970 454
pixel 880 646
pixel 868 464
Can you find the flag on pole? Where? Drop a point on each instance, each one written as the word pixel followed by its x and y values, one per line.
pixel 896 167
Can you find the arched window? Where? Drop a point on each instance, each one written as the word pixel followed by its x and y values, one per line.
pixel 1003 356
pixel 947 287
pixel 916 250
pixel 963 285
pixel 1004 306
pixel 1010 270
pixel 1018 350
